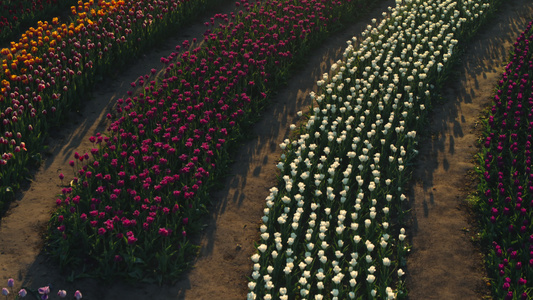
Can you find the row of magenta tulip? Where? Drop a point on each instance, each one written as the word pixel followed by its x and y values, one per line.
pixel 506 177
pixel 53 67
pixel 15 15
pixel 332 228
pixel 141 192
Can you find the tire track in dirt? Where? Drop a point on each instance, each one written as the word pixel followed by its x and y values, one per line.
pixel 444 264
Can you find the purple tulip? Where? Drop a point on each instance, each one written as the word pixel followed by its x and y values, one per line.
pixel 77 295
pixel 44 290
pixel 22 293
pixel 509 295
pixel 506 286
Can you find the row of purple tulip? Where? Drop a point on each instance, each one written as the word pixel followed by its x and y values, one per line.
pixel 43 292
pixel 506 185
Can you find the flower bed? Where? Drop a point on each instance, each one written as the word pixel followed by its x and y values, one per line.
pixel 505 204
pixel 54 66
pixel 15 16
pixel 136 202
pixel 332 228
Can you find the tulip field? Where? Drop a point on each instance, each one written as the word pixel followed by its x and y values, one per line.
pixel 16 15
pixel 332 228
pixel 140 192
pixel 334 224
pixel 53 65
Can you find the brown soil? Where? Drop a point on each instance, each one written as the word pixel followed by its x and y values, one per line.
pixel 443 263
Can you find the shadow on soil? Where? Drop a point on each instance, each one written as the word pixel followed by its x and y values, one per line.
pixel 439 222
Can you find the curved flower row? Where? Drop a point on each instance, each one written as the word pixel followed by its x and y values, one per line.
pixel 134 205
pixel 15 14
pixel 332 227
pixel 54 65
pixel 506 185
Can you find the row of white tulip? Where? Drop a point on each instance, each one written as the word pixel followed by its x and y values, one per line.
pixel 331 227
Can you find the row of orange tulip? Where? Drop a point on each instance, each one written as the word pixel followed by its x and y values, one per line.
pixel 45 38
pixel 50 68
pixel 16 15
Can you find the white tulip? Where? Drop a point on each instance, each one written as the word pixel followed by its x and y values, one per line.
pixel 386 262
pixel 400 273
pixel 370 278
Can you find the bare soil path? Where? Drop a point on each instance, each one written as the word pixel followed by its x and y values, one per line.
pixel 227 243
pixel 444 263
